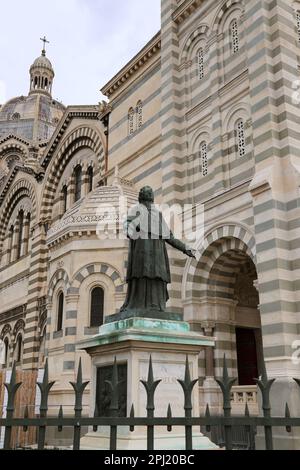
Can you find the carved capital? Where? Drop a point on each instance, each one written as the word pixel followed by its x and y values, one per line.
pixel 208 327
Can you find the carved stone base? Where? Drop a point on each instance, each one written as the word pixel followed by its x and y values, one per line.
pixel 132 342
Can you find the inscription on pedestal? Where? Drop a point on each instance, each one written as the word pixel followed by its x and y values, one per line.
pixel 169 390
pixel 103 390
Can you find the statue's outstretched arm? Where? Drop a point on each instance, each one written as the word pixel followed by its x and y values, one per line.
pixel 179 245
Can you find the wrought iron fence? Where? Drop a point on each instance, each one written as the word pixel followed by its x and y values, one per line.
pixel 224 429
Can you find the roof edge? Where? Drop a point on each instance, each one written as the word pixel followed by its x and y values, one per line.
pixel 150 49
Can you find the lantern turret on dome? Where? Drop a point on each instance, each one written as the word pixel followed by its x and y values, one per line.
pixel 41 74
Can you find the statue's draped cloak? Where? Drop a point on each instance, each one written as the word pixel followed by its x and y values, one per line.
pixel 148 259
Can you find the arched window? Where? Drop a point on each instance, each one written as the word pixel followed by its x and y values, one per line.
pixel 241 138
pixel 90 178
pixel 200 64
pixel 20 236
pixel 234 35
pixel 19 349
pixel 27 234
pixel 298 24
pixel 97 307
pixel 78 182
pixel 60 311
pixel 6 345
pixel 65 199
pixel 10 243
pixel 139 114
pixel 131 121
pixel 204 159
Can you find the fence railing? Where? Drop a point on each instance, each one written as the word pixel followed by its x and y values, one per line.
pixel 227 423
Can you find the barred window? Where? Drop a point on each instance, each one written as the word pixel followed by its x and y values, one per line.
pixel 131 121
pixel 6 345
pixel 241 138
pixel 65 198
pixel 60 312
pixel 298 23
pixel 19 349
pixel 200 64
pixel 90 178
pixel 78 182
pixel 204 159
pixel 10 243
pixel 235 40
pixel 97 307
pixel 20 235
pixel 26 236
pixel 139 114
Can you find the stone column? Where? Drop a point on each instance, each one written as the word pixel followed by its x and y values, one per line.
pixel 26 232
pixel 70 197
pixel 210 389
pixel 15 239
pixel 7 254
pixel 85 181
pixel 208 329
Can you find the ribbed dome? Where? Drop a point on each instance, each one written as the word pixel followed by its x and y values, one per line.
pixel 42 62
pixel 33 117
pixel 41 75
pixel 100 210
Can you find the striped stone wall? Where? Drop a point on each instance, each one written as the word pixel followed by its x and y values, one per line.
pixel 254 85
pixel 273 67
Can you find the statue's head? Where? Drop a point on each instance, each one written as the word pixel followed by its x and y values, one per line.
pixel 146 194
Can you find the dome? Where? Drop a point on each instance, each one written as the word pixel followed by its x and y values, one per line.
pixel 101 212
pixel 41 75
pixel 32 117
pixel 36 116
pixel 42 62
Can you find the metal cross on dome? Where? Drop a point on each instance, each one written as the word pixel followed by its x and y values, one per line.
pixel 45 41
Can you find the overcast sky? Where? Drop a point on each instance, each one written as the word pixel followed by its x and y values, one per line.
pixel 90 40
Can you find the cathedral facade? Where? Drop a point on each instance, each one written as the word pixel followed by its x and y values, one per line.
pixel 207 114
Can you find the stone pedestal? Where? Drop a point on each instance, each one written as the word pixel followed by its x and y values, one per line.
pixel 131 342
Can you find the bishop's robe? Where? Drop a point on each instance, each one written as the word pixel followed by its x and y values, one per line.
pixel 148 271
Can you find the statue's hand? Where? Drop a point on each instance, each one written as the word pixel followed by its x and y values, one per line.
pixel 190 253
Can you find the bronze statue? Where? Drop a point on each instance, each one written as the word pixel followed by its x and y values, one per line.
pixel 148 273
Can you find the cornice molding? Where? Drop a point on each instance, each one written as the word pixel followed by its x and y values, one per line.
pixel 13 315
pixel 184 10
pixel 13 280
pixel 151 49
pixel 14 138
